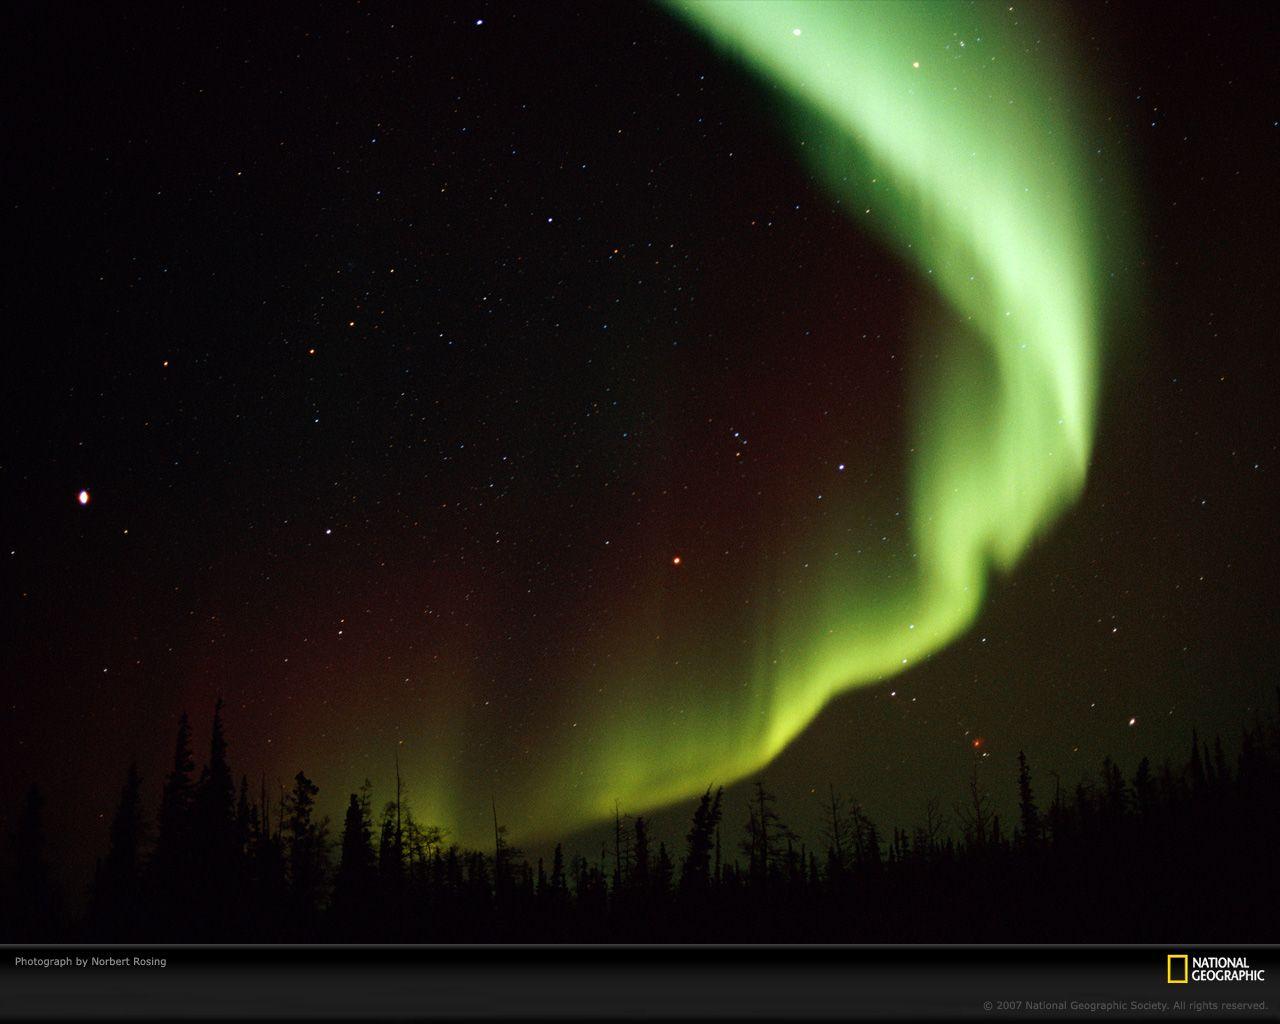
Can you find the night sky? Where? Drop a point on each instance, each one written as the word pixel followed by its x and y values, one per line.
pixel 500 387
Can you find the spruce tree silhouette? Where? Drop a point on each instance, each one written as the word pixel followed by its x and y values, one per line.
pixel 170 881
pixel 115 912
pixel 307 858
pixel 354 891
pixel 1028 813
pixel 695 877
pixel 215 852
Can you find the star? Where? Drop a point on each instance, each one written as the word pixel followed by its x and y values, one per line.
pixel 83 497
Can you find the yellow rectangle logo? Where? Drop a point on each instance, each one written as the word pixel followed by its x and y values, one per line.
pixel 1181 976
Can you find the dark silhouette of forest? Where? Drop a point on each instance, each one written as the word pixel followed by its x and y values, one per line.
pixel 1183 852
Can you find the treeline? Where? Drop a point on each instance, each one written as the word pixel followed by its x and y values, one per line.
pixel 1184 852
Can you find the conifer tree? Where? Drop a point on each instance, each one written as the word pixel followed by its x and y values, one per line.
pixel 305 842
pixel 696 875
pixel 117 893
pixel 171 860
pixel 1028 813
pixel 353 882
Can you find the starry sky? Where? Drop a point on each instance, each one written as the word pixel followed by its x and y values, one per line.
pixel 500 387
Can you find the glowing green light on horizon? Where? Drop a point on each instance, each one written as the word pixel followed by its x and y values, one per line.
pixel 945 130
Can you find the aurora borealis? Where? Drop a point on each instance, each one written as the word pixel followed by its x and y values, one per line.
pixel 586 407
pixel 970 171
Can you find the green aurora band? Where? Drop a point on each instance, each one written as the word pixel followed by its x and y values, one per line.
pixel 967 162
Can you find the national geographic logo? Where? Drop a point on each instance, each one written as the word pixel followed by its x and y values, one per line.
pixel 1183 968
